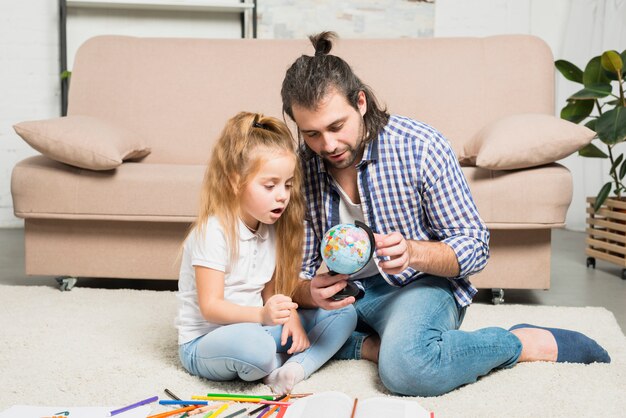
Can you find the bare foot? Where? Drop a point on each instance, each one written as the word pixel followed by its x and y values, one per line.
pixel 370 348
pixel 537 344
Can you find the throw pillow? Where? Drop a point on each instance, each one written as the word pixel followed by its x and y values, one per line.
pixel 83 141
pixel 525 140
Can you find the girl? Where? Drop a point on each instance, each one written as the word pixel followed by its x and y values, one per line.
pixel 241 262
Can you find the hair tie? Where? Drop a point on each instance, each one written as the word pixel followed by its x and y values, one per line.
pixel 320 53
pixel 257 124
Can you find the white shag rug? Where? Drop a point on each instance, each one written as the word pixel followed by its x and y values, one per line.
pixel 97 347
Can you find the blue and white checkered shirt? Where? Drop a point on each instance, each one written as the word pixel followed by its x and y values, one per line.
pixel 409 181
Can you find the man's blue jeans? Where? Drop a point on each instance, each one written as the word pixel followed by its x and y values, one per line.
pixel 422 352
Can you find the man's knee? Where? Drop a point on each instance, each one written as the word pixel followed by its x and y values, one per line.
pixel 407 374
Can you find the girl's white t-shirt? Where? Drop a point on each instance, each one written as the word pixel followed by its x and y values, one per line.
pixel 244 279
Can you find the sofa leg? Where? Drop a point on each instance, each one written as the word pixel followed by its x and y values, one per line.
pixel 66 282
pixel 497 296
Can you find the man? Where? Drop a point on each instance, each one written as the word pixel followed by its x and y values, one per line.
pixel 401 177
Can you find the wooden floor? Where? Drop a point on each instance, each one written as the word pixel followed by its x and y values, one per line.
pixel 572 283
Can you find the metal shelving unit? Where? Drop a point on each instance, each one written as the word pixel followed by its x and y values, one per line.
pixel 246 8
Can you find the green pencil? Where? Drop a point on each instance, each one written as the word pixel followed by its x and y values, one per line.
pixel 230 395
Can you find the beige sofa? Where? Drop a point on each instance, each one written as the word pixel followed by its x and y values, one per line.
pixel 177 94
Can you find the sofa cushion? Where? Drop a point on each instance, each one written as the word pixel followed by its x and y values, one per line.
pixel 83 141
pixel 535 198
pixel 43 188
pixel 524 140
pixel 203 82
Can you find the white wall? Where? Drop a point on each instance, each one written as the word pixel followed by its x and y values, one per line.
pixel 29 62
pixel 29 68
pixel 576 30
pixel 289 19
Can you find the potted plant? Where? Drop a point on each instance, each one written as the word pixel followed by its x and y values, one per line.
pixel 601 106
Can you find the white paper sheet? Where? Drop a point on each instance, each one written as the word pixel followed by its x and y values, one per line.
pixel 26 411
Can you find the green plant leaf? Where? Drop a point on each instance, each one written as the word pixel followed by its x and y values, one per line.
pixel 604 193
pixel 591 151
pixel 611 61
pixel 622 170
pixel 611 126
pixel 569 71
pixel 616 163
pixel 592 91
pixel 66 75
pixel 591 124
pixel 594 73
pixel 577 110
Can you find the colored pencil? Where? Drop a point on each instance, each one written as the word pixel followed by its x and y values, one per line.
pixel 234 395
pixel 218 411
pixel 263 412
pixel 181 402
pixel 208 408
pixel 254 411
pixel 174 412
pixel 171 395
pixel 274 403
pixel 234 414
pixel 224 398
pixel 296 395
pixel 132 406
pixel 277 405
pixel 356 401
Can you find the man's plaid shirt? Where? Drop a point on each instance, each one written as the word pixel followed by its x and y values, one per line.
pixel 409 181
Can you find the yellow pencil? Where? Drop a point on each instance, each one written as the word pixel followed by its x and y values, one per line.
pixel 220 398
pixel 219 411
pixel 208 408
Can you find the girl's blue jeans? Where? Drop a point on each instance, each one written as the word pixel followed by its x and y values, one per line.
pixel 422 352
pixel 251 351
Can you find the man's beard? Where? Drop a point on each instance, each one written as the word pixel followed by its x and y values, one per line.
pixel 354 152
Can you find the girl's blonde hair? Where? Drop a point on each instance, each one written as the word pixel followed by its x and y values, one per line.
pixel 236 158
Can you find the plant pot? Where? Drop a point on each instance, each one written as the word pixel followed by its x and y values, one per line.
pixel 606 233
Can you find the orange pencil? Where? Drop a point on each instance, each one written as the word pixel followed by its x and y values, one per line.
pixel 356 400
pixel 272 410
pixel 283 409
pixel 174 411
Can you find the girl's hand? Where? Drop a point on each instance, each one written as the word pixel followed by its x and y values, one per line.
pixel 293 328
pixel 277 310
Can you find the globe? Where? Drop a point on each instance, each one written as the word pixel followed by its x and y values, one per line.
pixel 346 248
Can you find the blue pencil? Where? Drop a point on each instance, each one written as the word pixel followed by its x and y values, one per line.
pixel 135 405
pixel 182 402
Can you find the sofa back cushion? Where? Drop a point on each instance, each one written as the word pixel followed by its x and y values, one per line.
pixel 178 93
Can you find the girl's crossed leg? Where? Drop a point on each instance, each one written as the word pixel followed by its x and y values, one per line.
pixel 251 351
pixel 245 350
pixel 326 330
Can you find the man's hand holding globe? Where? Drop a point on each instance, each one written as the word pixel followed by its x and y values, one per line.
pixel 346 249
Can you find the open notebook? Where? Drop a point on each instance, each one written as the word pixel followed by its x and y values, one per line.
pixel 339 405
